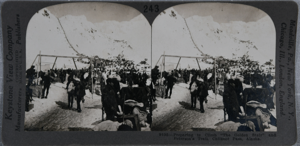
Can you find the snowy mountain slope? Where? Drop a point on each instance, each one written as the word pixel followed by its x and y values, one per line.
pixel 172 34
pixel 86 38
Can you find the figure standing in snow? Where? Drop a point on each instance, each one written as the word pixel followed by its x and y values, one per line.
pixel 30 74
pixel 230 101
pixel 194 91
pixel 171 80
pixel 202 94
pixel 71 91
pixel 47 82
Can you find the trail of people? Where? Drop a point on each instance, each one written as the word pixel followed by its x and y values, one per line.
pixel 53 114
pixel 176 114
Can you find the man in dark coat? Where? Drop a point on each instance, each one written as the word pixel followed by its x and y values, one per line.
pixel 239 90
pixel 270 93
pixel 171 80
pixel 80 92
pixel 80 89
pixel 154 74
pixel 117 90
pixel 109 100
pixel 143 80
pixel 185 76
pixel 47 82
pixel 202 92
pixel 230 101
pixel 30 74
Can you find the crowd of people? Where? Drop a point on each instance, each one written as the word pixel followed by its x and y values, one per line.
pixel 238 87
pixel 106 83
pixel 109 85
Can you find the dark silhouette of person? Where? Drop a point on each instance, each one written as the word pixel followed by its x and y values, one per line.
pixel 230 101
pixel 202 94
pixel 30 74
pixel 47 82
pixel 109 100
pixel 171 80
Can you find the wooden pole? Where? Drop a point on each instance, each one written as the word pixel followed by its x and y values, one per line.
pixel 92 77
pixel 215 79
pixel 158 61
pixel 198 64
pixel 74 63
pixel 178 62
pixel 164 64
pixel 38 71
pixel 176 56
pixel 40 64
pixel 34 60
pixel 43 55
pixel 54 62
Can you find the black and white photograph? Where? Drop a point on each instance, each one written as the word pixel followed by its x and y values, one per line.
pixel 94 67
pixel 150 72
pixel 213 68
pixel 88 69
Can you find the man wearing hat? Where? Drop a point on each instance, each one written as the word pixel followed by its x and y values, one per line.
pixel 154 74
pixel 109 100
pixel 47 82
pixel 30 74
pixel 80 88
pixel 171 80
pixel 202 92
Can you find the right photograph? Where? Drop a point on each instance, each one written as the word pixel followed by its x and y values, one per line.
pixel 213 68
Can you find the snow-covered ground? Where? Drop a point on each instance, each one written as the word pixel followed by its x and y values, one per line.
pixel 52 113
pixel 175 114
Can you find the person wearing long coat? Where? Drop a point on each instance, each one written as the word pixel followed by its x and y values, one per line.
pixel 202 94
pixel 230 101
pixel 194 92
pixel 80 90
pixel 109 100
pixel 239 90
pixel 47 82
pixel 171 80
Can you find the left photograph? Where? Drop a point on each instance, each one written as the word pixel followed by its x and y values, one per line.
pixel 88 68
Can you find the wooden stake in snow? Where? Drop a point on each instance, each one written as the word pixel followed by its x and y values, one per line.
pixel 215 79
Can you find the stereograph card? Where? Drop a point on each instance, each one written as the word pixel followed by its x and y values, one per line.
pixel 149 73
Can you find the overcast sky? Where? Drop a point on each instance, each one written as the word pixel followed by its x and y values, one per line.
pixel 95 12
pixel 92 28
pixel 221 12
pixel 217 29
